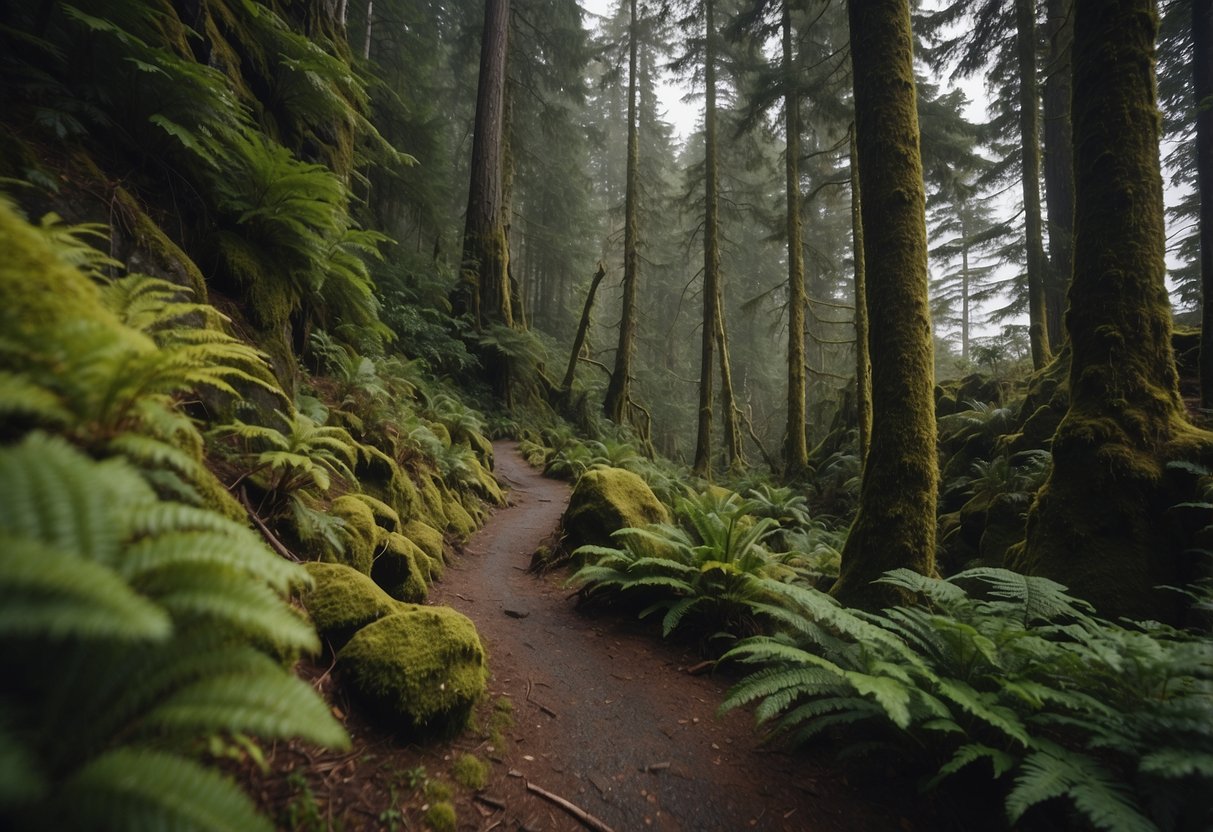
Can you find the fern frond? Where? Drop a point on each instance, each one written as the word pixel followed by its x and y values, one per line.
pixel 1053 772
pixel 48 593
pixel 149 789
pixel 21 396
pixel 1001 761
pixel 269 705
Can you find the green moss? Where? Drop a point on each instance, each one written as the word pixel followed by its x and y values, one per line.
pixel 381 477
pixel 470 771
pixel 438 790
pixel 421 671
pixel 439 430
pixel 431 499
pixel 427 538
pixel 459 521
pixel 482 446
pixel 401 569
pixel 607 499
pixel 441 817
pixel 361 532
pixel 345 600
pixel 386 517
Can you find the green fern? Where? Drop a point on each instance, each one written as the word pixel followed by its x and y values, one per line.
pixel 132 621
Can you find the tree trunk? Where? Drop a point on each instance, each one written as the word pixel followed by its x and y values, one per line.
pixel 615 404
pixel 702 465
pixel 863 363
pixel 796 446
pixel 1202 76
pixel 366 40
pixel 730 412
pixel 1059 166
pixel 895 526
pixel 1029 139
pixel 964 278
pixel 582 329
pixel 1098 524
pixel 485 292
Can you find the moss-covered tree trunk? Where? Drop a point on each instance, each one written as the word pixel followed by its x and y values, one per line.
pixel 1029 138
pixel 1097 524
pixel 1202 77
pixel 485 291
pixel 965 312
pixel 615 403
pixel 863 363
pixel 796 444
pixel 1059 166
pixel 895 526
pixel 702 465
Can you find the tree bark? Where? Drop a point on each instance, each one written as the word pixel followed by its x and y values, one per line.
pixel 615 404
pixel 702 465
pixel 895 526
pixel 582 329
pixel 1029 138
pixel 730 412
pixel 485 292
pixel 796 446
pixel 863 363
pixel 1098 524
pixel 1059 166
pixel 1202 77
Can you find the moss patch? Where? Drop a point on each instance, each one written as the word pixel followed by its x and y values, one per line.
pixel 361 532
pixel 345 600
pixel 382 477
pixel 470 771
pixel 607 499
pixel 421 671
pixel 386 517
pixel 427 538
pixel 441 817
pixel 402 569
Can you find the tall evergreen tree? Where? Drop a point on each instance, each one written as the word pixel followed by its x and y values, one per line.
pixel 616 402
pixel 1058 165
pixel 1098 523
pixel 895 526
pixel 485 293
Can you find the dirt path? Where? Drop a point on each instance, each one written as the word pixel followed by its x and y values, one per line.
pixel 605 715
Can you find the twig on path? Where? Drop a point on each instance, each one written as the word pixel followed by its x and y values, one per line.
pixel 490 801
pixel 469 600
pixel 543 708
pixel 655 767
pixel 574 810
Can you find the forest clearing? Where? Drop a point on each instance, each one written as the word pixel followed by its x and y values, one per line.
pixel 404 424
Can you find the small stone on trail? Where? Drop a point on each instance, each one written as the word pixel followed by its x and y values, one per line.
pixel 515 613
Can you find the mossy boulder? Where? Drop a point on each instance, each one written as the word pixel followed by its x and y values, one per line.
pixel 420 671
pixel 386 517
pixel 430 499
pixel 459 521
pixel 402 569
pixel 381 476
pixel 426 537
pixel 345 600
pixel 607 499
pixel 361 532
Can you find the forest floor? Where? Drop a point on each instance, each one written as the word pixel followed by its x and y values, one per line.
pixel 588 706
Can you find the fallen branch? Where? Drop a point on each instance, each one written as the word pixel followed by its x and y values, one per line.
pixel 490 801
pixel 574 810
pixel 274 542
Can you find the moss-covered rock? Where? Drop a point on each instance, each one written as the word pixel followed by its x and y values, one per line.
pixel 607 499
pixel 382 477
pixel 361 532
pixel 345 600
pixel 421 671
pixel 402 569
pixel 460 523
pixel 426 537
pixel 430 499
pixel 386 517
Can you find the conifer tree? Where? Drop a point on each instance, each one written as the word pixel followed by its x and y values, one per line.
pixel 895 526
pixel 1098 523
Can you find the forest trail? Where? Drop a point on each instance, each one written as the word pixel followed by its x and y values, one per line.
pixel 605 715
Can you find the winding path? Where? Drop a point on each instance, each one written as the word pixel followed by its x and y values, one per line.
pixel 605 715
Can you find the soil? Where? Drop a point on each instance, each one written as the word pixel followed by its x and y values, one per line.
pixel 589 707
